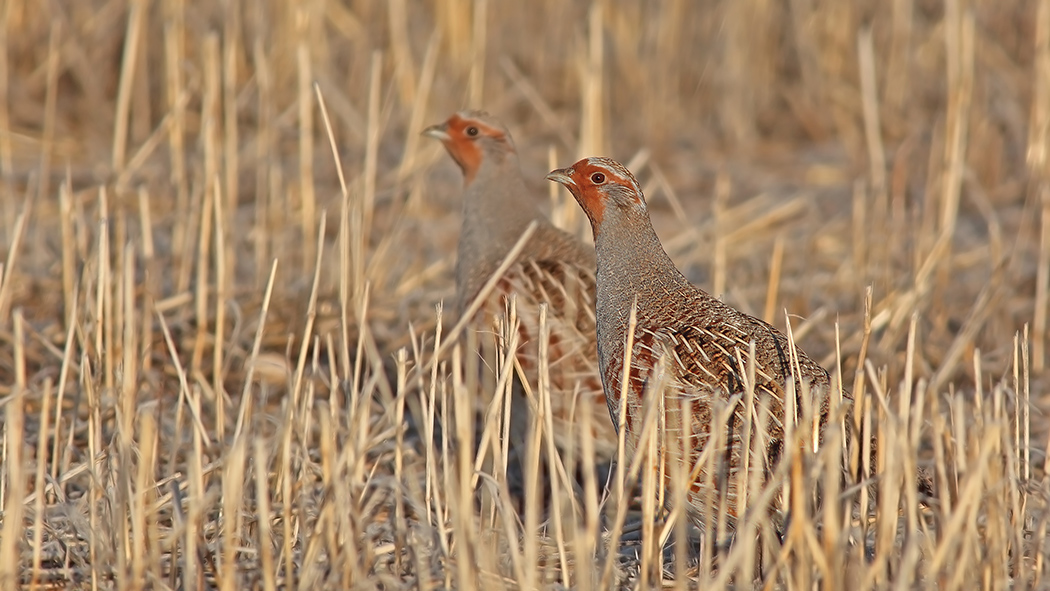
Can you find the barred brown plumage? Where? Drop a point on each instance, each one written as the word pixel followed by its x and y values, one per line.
pixel 699 344
pixel 554 268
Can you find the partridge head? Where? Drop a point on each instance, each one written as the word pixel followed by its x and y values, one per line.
pixel 473 138
pixel 603 186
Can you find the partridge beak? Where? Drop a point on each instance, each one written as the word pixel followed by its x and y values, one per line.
pixel 438 132
pixel 562 176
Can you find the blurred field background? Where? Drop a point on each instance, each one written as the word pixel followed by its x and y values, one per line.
pixel 202 307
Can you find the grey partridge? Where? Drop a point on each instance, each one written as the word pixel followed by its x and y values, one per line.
pixel 553 268
pixel 690 342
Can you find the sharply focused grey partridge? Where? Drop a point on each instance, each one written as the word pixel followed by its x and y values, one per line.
pixel 701 344
pixel 553 268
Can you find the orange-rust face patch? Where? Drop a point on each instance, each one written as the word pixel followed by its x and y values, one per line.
pixel 462 145
pixel 617 174
pixel 597 180
pixel 589 180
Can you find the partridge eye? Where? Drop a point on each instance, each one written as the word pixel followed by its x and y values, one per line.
pixel 597 178
pixel 472 131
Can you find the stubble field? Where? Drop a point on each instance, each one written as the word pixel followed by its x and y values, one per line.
pixel 223 247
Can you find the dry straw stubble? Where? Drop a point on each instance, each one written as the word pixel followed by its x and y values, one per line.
pixel 180 410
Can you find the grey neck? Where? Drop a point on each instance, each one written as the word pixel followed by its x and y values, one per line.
pixel 496 211
pixel 631 263
pixel 494 214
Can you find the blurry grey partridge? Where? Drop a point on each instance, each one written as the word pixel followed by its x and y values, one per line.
pixel 684 339
pixel 553 268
